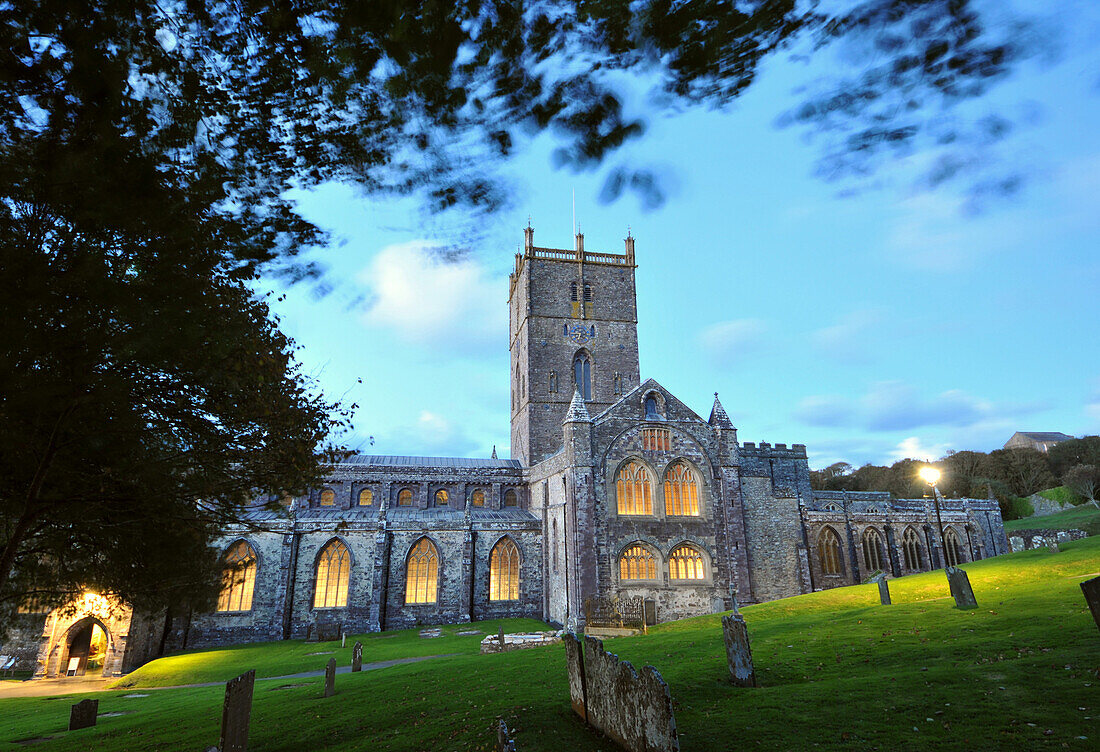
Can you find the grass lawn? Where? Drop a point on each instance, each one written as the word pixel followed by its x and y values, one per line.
pixel 837 671
pixel 1085 517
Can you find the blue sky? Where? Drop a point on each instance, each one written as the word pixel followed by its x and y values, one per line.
pixel 870 320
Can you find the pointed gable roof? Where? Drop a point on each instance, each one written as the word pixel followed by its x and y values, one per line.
pixel 577 412
pixel 718 416
pixel 634 395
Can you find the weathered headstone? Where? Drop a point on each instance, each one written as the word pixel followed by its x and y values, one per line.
pixel 738 652
pixel 1091 589
pixel 505 743
pixel 343 639
pixel 237 712
pixel 883 592
pixel 1017 543
pixel 330 678
pixel 574 663
pixel 500 639
pixel 357 656
pixel 1052 543
pixel 83 714
pixel 960 588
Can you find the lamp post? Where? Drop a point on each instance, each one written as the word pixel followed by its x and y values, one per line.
pixel 930 475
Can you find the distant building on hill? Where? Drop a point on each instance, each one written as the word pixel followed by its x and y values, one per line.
pixel 615 490
pixel 1041 440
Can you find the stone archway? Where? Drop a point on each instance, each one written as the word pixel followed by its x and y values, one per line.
pixel 84 648
pixel 94 630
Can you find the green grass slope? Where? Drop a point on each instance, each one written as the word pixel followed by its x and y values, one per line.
pixel 837 671
pixel 1085 518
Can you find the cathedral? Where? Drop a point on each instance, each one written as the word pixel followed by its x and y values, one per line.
pixel 615 488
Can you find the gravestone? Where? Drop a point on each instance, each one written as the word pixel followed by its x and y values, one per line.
pixel 1017 543
pixel 960 588
pixel 236 712
pixel 330 678
pixel 883 592
pixel 357 656
pixel 326 632
pixel 505 743
pixel 1052 543
pixel 574 664
pixel 1091 589
pixel 500 639
pixel 738 652
pixel 343 639
pixel 83 714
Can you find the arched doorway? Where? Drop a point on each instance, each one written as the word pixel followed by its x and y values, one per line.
pixel 87 646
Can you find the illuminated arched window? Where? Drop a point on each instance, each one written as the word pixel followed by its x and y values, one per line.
pixel 366 497
pixel 634 489
pixel 422 573
pixel 333 570
pixel 910 546
pixel 686 563
pixel 952 549
pixel 405 497
pixel 238 578
pixel 582 375
pixel 504 571
pixel 828 549
pixel 328 497
pixel 441 498
pixel 637 563
pixel 872 550
pixel 478 498
pixel 681 491
pixel 510 498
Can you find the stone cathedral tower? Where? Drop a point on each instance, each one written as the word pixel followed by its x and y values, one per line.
pixel 573 325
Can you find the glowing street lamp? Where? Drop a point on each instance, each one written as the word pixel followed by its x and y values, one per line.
pixel 931 475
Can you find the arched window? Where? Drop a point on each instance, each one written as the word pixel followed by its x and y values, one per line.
pixel 872 550
pixel 328 497
pixel 910 546
pixel 366 497
pixel 504 571
pixel 681 491
pixel 238 578
pixel 830 507
pixel 952 550
pixel 510 498
pixel 333 569
pixel 441 498
pixel 587 293
pixel 685 563
pixel 405 497
pixel 828 548
pixel 573 291
pixel 651 408
pixel 422 573
pixel 634 489
pixel 582 375
pixel 478 498
pixel 637 563
pixel 553 382
pixel 617 383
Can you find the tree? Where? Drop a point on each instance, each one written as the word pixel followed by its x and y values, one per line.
pixel 1025 471
pixel 831 478
pixel 1066 455
pixel 146 154
pixel 1083 480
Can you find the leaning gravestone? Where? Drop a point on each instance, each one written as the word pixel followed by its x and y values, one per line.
pixel 505 743
pixel 330 678
pixel 236 712
pixel 83 714
pixel 960 588
pixel 357 656
pixel 738 652
pixel 1091 589
pixel 883 592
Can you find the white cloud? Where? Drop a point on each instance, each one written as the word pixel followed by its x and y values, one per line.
pixel 430 300
pixel 431 434
pixel 914 448
pixel 847 339
pixel 727 341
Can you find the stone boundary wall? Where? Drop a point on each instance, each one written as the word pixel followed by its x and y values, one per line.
pixel 632 708
pixel 1024 540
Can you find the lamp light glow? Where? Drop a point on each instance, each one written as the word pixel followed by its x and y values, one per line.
pixel 929 474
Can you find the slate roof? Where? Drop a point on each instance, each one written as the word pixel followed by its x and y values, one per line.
pixel 1045 435
pixel 396 460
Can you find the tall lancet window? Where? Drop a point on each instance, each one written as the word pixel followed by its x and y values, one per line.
pixel 582 375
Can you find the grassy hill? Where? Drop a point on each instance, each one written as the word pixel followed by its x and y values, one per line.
pixel 1086 517
pixel 837 671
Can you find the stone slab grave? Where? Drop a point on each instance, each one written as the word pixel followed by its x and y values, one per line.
pixel 632 708
pixel 738 652
pixel 237 712
pixel 83 714
pixel 1091 589
pixel 960 588
pixel 357 656
pixel 518 641
pixel 431 633
pixel 330 677
pixel 883 592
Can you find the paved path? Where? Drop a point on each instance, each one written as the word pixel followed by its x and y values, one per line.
pixel 79 685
